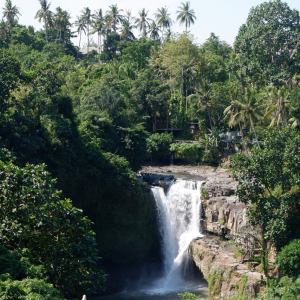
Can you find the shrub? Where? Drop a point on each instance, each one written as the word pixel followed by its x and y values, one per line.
pixel 194 151
pixel 28 289
pixel 158 146
pixel 289 258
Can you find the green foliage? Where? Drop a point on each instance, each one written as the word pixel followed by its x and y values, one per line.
pixel 285 289
pixel 33 216
pixel 188 296
pixel 271 62
pixel 189 151
pixel 158 146
pixel 204 193
pixel 273 167
pixel 28 289
pixel 289 258
pixel 10 73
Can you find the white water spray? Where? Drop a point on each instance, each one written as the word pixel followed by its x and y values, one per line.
pixel 179 216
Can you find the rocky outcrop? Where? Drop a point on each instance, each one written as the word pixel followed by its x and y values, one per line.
pixel 220 266
pixel 155 179
pixel 221 211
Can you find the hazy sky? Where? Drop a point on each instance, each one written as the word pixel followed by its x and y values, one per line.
pixel 219 16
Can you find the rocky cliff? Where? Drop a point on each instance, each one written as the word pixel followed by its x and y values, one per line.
pixel 219 264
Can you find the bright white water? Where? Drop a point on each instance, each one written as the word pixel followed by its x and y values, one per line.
pixel 179 216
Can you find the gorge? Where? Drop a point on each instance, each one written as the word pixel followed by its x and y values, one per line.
pixel 192 252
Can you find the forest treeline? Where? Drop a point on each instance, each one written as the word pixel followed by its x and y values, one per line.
pixel 91 118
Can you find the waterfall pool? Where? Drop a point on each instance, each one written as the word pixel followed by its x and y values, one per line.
pixel 199 289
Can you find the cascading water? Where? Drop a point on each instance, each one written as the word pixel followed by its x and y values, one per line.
pixel 179 216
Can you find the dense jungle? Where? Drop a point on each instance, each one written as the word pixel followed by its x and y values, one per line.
pixel 78 121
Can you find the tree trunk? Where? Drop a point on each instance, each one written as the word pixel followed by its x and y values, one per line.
pixel 88 45
pixel 264 254
pixel 46 30
pixel 208 112
pixel 79 45
pixel 253 128
pixel 241 131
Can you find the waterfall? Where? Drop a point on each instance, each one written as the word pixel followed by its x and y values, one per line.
pixel 179 217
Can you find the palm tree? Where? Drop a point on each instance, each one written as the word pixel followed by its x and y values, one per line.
pixel 168 35
pixel 277 101
pixel 116 17
pixel 232 111
pixel 86 17
pixel 201 99
pixel 186 15
pixel 108 24
pixel 98 26
pixel 249 109
pixel 61 22
pixel 10 12
pixel 154 31
pixel 44 14
pixel 126 31
pixel 142 21
pixel 81 26
pixel 163 19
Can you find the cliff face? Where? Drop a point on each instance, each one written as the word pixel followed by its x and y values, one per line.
pixel 221 209
pixel 220 267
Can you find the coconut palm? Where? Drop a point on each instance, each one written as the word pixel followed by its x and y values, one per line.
pixel 163 19
pixel 232 111
pixel 61 23
pixel 154 31
pixel 87 17
pixel 186 15
pixel 116 17
pixel 81 26
pixel 201 99
pixel 277 101
pixel 108 24
pixel 167 35
pixel 98 26
pixel 10 12
pixel 142 21
pixel 249 110
pixel 45 14
pixel 126 31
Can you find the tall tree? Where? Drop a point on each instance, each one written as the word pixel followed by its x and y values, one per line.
pixel 186 15
pixel 163 19
pixel 87 18
pixel 142 21
pixel 277 100
pixel 116 17
pixel 44 14
pixel 81 26
pixel 62 23
pixel 153 31
pixel 98 26
pixel 267 44
pixel 126 31
pixel 10 12
pixel 249 110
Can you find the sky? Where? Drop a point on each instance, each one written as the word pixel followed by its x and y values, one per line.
pixel 219 16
